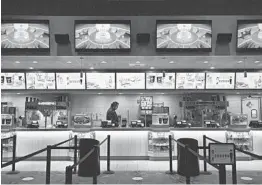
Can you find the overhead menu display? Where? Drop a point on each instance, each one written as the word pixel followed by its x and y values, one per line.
pixel 12 81
pixel 70 81
pixel 100 80
pixel 220 80
pixel 40 80
pixel 190 80
pixel 160 80
pixel 130 80
pixel 253 80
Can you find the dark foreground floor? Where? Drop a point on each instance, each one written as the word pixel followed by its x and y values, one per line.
pixel 127 178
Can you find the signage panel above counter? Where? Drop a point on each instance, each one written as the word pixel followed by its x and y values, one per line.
pixel 100 81
pixel 220 80
pixel 70 81
pixel 190 80
pixel 130 80
pixel 160 80
pixel 12 80
pixel 40 80
pixel 253 80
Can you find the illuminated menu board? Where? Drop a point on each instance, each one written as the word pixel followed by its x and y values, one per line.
pixel 220 80
pixel 190 80
pixel 40 80
pixel 100 80
pixel 12 81
pixel 160 80
pixel 253 80
pixel 130 80
pixel 70 81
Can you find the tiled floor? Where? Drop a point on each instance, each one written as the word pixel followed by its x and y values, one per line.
pixel 121 165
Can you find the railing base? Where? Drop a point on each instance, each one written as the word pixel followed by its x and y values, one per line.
pixel 12 172
pixel 171 173
pixel 205 173
pixel 108 172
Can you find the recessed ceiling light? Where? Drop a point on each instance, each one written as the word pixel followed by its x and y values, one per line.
pixel 69 62
pixel 205 62
pixel 152 67
pixel 35 62
pixel 120 93
pixel 141 93
pixel 91 68
pixel 162 93
pixel 17 62
pixel 212 67
pixel 238 93
pixel 18 93
pixel 256 62
pixel 99 93
pixel 137 62
pixel 31 68
pixel 239 62
pixel 103 62
pixel 171 62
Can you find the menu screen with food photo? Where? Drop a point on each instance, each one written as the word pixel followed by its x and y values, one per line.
pixel 24 35
pixel 160 80
pixel 12 80
pixel 102 36
pixel 40 80
pixel 253 80
pixel 184 35
pixel 220 80
pixel 190 80
pixel 70 81
pixel 100 80
pixel 249 35
pixel 130 80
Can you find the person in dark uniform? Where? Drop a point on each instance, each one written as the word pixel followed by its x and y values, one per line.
pixel 111 113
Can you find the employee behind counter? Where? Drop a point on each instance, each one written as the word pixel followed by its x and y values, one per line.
pixel 111 113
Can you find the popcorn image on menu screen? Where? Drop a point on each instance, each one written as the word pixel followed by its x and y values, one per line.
pixel 102 36
pixel 179 36
pixel 249 35
pixel 22 35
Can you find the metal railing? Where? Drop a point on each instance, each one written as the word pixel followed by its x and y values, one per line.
pixel 13 152
pixel 221 168
pixel 69 169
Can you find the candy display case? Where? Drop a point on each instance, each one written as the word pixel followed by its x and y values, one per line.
pixel 243 139
pixel 238 120
pixel 158 144
pixel 7 144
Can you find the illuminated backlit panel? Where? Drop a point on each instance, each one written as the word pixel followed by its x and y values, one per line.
pixel 190 80
pixel 130 80
pixel 220 80
pixel 100 80
pixel 40 80
pixel 253 80
pixel 160 80
pixel 70 81
pixel 12 81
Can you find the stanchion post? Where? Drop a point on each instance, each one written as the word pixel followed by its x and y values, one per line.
pixel 170 156
pixel 96 151
pixel 75 152
pixel 187 165
pixel 48 164
pixel 108 171
pixel 222 174
pixel 68 175
pixel 2 153
pixel 234 168
pixel 14 153
pixel 205 152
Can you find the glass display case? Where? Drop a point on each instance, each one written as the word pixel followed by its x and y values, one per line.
pixel 243 139
pixel 158 144
pixel 7 144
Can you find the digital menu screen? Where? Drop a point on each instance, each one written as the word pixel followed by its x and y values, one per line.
pixel 190 80
pixel 160 80
pixel 70 81
pixel 130 80
pixel 249 35
pixel 40 80
pixel 17 35
pixel 146 102
pixel 100 80
pixel 220 80
pixel 184 35
pixel 104 35
pixel 12 81
pixel 253 80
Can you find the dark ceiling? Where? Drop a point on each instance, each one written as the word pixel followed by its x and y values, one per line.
pixel 130 7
